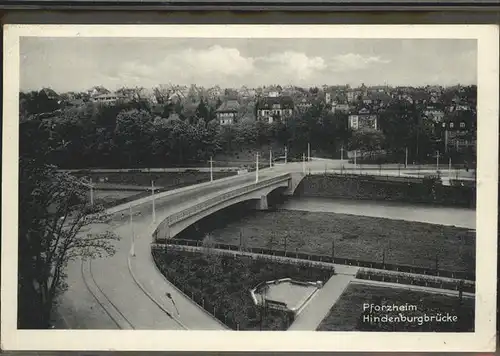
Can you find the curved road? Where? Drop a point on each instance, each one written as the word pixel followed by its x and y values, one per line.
pixel 116 277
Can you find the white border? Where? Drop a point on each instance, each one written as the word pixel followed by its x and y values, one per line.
pixel 483 339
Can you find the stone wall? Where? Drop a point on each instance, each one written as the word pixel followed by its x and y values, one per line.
pixel 370 188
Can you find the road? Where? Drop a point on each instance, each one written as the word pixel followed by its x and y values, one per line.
pixel 115 277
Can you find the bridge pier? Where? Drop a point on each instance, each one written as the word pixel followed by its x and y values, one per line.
pixel 262 203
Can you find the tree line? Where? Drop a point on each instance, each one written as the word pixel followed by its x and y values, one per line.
pixel 139 134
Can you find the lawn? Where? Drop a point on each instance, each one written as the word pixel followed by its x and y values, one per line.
pixel 347 314
pixel 356 237
pixel 222 284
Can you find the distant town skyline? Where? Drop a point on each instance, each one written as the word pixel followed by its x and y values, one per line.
pixel 77 64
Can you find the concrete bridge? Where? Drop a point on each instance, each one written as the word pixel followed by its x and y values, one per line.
pixel 258 192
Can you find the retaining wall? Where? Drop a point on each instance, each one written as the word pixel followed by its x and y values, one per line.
pixel 375 188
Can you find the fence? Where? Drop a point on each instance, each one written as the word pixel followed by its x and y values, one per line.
pixel 216 200
pixel 427 281
pixel 218 311
pixel 336 260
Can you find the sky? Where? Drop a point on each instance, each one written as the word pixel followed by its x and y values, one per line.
pixel 77 64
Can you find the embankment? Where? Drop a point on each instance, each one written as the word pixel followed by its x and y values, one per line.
pixel 373 188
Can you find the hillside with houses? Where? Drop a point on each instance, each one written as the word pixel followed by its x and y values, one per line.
pixel 178 124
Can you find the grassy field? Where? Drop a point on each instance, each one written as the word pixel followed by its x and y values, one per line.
pixel 347 314
pixel 358 237
pixel 222 284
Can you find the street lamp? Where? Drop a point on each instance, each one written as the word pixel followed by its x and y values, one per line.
pixel 257 167
pixel 91 193
pixel 132 249
pixel 286 154
pixel 153 196
pixel 270 159
pixel 90 185
pixel 211 170
pixel 308 152
pixel 304 163
pixel 406 157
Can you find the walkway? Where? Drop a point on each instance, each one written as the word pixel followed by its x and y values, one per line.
pixel 319 306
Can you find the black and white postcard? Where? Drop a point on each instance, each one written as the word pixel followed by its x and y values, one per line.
pixel 278 188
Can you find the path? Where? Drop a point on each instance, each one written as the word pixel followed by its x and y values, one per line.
pixel 319 306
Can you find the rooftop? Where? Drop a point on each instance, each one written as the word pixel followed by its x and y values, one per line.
pixel 229 106
pixel 286 102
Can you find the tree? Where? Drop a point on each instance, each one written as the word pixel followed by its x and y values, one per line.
pixel 202 111
pixel 54 209
pixel 133 135
pixel 367 140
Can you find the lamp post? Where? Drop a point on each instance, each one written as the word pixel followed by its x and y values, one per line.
pixel 449 169
pixel 90 185
pixel 153 196
pixel 437 161
pixel 341 153
pixel 91 192
pixel 270 159
pixel 286 154
pixel 257 167
pixel 308 152
pixel 406 157
pixel 304 163
pixel 211 170
pixel 355 151
pixel 132 250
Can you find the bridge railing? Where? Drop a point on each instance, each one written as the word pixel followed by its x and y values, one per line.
pixel 223 197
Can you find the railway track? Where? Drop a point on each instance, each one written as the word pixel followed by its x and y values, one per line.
pixel 104 302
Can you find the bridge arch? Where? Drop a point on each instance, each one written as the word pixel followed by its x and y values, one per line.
pixel 259 192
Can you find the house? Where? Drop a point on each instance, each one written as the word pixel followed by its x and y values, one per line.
pixel 378 89
pixel 380 99
pixel 340 107
pixel 364 118
pixel 227 113
pixel 108 99
pixel 304 104
pixel 51 94
pixel 457 130
pixel 356 94
pixel 434 114
pixel 98 90
pixel 367 100
pixel 420 97
pixel 272 108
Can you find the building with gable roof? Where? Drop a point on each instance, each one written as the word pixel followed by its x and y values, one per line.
pixel 273 109
pixel 227 113
pixel 364 118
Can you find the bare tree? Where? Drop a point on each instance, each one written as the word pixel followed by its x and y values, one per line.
pixel 55 212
